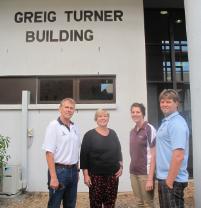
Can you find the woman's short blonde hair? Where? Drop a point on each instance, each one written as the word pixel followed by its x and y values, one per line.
pixel 100 111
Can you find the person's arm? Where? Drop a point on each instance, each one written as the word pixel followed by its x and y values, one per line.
pixel 120 158
pixel 150 178
pixel 79 137
pixel 176 161
pixel 84 158
pixel 87 179
pixel 54 183
pixel 119 172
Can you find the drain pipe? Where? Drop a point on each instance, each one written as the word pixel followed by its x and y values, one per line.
pixel 24 142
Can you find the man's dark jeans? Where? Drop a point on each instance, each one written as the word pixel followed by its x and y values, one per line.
pixel 171 198
pixel 67 191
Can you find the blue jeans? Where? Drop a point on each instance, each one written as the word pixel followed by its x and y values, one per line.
pixel 67 192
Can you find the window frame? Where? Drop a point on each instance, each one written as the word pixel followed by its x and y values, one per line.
pixel 96 101
pixel 75 88
pixel 51 78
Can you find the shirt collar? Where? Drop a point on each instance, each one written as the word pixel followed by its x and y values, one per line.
pixel 171 116
pixel 143 126
pixel 61 123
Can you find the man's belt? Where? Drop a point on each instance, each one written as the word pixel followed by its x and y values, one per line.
pixel 65 166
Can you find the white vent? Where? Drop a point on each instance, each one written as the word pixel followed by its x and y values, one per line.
pixel 12 180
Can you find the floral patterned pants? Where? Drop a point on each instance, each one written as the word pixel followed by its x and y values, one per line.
pixel 103 191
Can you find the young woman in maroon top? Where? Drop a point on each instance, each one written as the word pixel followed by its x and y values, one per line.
pixel 142 153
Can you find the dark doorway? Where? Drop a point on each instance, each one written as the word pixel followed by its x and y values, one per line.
pixel 167 62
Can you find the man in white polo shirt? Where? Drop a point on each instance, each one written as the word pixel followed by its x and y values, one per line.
pixel 62 146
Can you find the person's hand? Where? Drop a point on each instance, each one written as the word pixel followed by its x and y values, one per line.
pixel 54 183
pixel 169 184
pixel 149 185
pixel 119 172
pixel 87 180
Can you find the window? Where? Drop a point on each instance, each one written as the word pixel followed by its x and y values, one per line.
pixel 53 90
pixel 96 90
pixel 166 47
pixel 11 89
pixel 49 90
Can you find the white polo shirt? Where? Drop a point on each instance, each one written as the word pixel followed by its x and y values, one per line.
pixel 63 142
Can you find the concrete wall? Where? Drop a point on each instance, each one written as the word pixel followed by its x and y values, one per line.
pixel 118 47
pixel 193 18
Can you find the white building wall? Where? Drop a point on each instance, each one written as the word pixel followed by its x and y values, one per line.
pixel 10 125
pixel 193 19
pixel 118 48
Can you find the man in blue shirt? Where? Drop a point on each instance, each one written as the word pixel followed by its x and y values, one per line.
pixel 172 150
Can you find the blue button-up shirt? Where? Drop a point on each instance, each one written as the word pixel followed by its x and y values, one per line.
pixel 172 134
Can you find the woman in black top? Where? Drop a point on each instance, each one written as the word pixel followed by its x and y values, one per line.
pixel 101 161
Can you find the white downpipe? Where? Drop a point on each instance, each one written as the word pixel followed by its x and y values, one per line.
pixel 24 142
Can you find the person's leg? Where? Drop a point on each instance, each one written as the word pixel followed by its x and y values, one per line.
pixel 147 196
pixel 166 197
pixel 110 191
pixel 55 196
pixel 178 189
pixel 96 191
pixel 137 189
pixel 70 194
pixel 171 198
